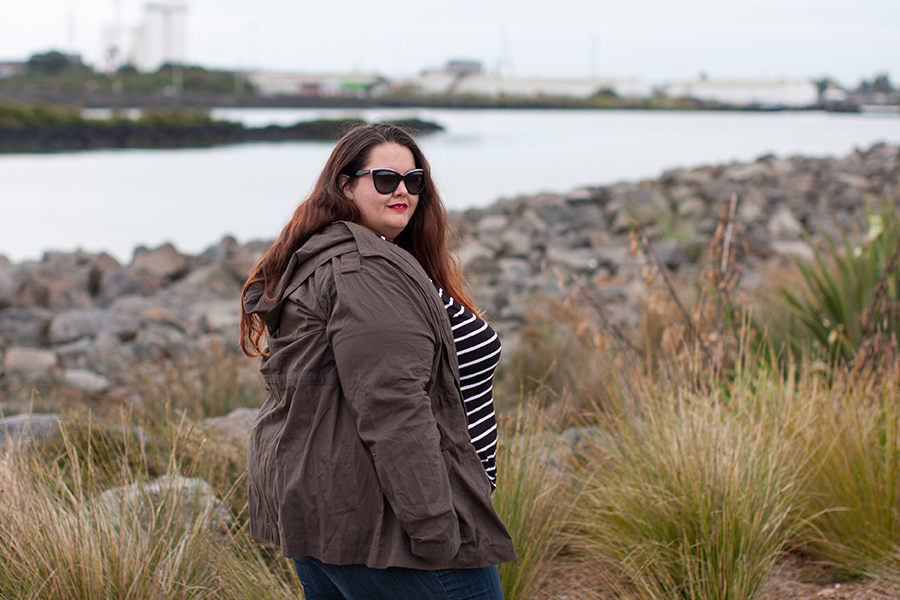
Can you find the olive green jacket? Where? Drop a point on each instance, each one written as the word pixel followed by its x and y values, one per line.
pixel 361 453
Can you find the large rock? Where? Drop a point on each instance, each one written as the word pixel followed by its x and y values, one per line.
pixel 86 380
pixel 190 498
pixel 78 323
pixel 25 428
pixel 32 364
pixel 235 425
pixel 209 280
pixel 24 326
pixel 164 262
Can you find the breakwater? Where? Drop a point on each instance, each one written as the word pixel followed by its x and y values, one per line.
pixel 82 320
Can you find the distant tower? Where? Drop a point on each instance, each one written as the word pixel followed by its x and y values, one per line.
pixel 161 37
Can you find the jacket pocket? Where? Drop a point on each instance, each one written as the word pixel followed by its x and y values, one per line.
pixel 461 502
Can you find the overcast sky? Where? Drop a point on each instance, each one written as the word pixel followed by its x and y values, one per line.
pixel 654 40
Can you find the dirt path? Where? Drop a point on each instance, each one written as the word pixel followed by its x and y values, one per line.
pixel 795 578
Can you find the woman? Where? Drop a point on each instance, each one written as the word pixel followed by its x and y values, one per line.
pixel 362 466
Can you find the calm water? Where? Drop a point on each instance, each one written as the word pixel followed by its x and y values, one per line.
pixel 114 200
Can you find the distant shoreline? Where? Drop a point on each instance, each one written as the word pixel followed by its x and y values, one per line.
pixel 199 100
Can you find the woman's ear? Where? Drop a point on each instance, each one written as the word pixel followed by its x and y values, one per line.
pixel 342 182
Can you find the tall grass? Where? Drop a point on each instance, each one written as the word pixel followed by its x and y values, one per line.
pixel 534 500
pixel 686 498
pixel 853 494
pixel 58 542
pixel 200 384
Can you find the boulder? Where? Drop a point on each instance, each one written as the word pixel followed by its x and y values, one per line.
pixel 209 280
pixel 77 323
pixel 31 364
pixel 86 380
pixel 24 326
pixel 164 262
pixel 119 281
pixel 194 498
pixel 235 425
pixel 220 317
pixel 26 428
pixel 783 225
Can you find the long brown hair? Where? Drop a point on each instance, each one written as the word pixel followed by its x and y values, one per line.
pixel 426 236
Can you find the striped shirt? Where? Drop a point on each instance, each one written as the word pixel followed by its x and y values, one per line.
pixel 478 351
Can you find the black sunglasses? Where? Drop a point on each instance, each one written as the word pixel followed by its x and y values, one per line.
pixel 387 180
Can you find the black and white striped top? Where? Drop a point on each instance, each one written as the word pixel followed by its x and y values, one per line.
pixel 478 351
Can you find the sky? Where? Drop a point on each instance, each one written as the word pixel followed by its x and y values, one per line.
pixel 651 40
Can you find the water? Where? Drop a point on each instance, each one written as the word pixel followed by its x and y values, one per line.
pixel 114 200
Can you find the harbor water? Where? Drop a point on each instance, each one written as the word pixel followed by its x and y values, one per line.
pixel 114 200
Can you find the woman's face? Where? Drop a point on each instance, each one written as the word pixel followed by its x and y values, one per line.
pixel 385 214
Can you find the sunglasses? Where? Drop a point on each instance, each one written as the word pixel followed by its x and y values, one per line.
pixel 387 180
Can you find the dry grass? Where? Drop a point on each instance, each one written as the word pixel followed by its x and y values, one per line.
pixel 58 542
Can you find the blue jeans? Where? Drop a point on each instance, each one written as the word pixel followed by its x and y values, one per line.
pixel 359 582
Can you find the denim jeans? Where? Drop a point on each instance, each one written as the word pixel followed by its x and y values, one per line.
pixel 359 582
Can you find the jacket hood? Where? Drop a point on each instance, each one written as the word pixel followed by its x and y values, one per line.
pixel 328 241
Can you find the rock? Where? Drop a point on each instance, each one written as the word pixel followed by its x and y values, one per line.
pixel 672 253
pixel 160 339
pixel 31 364
pixel 25 428
pixel 209 280
pixel 579 196
pixel 75 353
pixel 7 285
pixel 783 225
pixel 691 207
pixel 580 259
pixel 77 323
pixel 195 499
pixel 221 317
pixel 753 206
pixel 476 257
pixel 119 281
pixel 235 425
pixel 797 248
pixel 514 271
pixel 86 380
pixel 757 172
pixel 517 240
pixel 24 326
pixel 164 262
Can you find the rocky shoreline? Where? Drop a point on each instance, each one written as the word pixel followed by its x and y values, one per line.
pixel 83 320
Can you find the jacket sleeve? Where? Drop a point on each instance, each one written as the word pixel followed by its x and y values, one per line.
pixel 384 347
